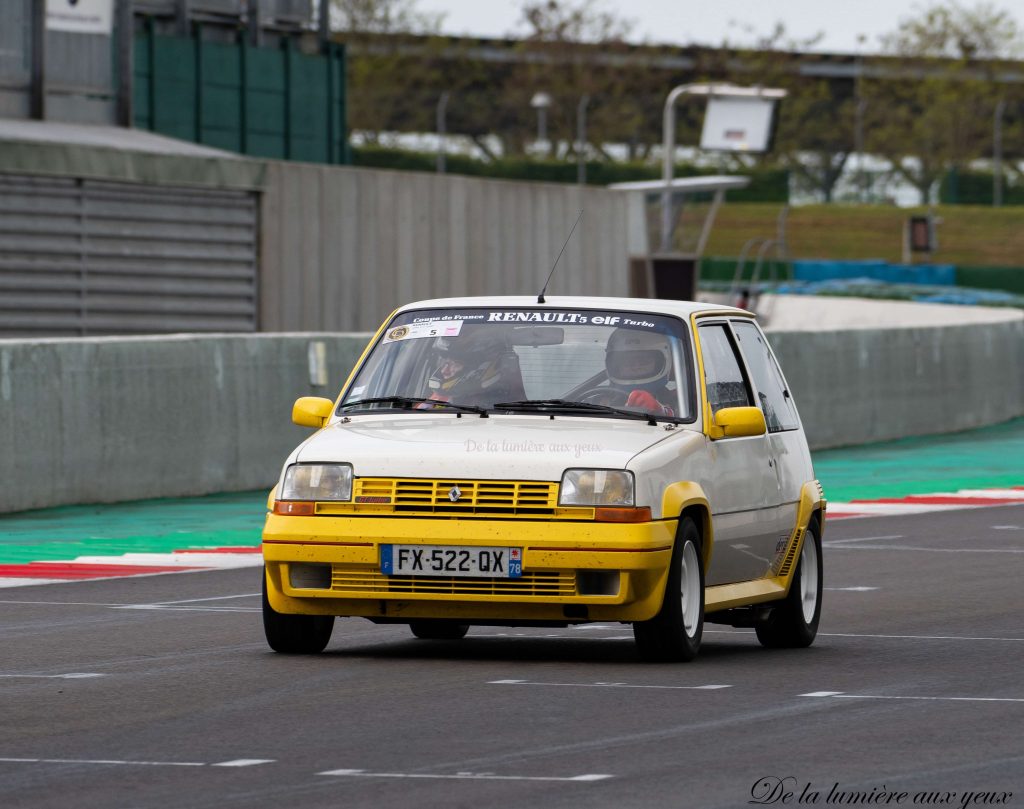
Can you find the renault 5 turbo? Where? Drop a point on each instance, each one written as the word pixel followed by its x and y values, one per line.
pixel 504 461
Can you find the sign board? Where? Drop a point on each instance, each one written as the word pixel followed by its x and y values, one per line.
pixel 738 124
pixel 80 16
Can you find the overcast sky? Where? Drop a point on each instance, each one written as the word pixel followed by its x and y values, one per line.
pixel 710 22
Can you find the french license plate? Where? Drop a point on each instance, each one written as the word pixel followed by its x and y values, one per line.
pixel 451 560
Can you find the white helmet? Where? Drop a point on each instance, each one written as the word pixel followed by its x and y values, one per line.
pixel 634 357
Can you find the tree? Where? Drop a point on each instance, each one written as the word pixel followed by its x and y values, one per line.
pixel 930 108
pixel 383 88
pixel 814 133
pixel 572 49
pixel 383 17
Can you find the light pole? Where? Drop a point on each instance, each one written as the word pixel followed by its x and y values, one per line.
pixel 441 113
pixel 581 140
pixel 712 92
pixel 540 102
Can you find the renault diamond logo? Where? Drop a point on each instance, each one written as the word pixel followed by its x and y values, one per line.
pixel 454 493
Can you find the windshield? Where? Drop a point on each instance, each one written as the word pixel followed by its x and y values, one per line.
pixel 529 360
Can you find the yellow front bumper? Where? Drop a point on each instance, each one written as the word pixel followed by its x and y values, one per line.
pixel 561 561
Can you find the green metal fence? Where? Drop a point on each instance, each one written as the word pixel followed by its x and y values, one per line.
pixel 266 102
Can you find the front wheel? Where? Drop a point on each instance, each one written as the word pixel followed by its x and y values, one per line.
pixel 674 634
pixel 295 634
pixel 793 623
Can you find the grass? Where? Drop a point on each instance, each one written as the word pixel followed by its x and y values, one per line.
pixel 968 235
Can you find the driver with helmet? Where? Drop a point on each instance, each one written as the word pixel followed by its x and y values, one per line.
pixel 468 372
pixel 639 363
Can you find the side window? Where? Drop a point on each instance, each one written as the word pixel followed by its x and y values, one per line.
pixel 774 399
pixel 727 387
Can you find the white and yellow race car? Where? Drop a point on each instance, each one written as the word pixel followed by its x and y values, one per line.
pixel 501 461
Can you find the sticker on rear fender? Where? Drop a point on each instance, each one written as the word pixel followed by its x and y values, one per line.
pixel 451 560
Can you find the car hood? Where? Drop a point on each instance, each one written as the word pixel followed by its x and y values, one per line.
pixel 495 448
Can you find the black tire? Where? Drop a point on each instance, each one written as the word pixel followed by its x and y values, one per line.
pixel 793 623
pixel 674 634
pixel 295 634
pixel 438 629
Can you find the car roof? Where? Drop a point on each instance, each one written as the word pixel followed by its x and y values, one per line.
pixel 661 306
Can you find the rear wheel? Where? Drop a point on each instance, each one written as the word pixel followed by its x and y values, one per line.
pixel 794 622
pixel 294 634
pixel 438 630
pixel 674 634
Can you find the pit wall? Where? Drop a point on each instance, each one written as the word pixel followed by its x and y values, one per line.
pixel 112 419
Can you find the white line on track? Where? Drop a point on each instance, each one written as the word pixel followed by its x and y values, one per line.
pixel 882 637
pixel 162 608
pixel 913 637
pixel 159 605
pixel 75 675
pixel 208 598
pixel 238 762
pixel 468 776
pixel 851 589
pixel 103 761
pixel 843 695
pixel 834 542
pixel 612 685
pixel 917 548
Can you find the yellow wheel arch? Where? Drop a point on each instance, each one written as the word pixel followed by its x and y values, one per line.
pixel 679 497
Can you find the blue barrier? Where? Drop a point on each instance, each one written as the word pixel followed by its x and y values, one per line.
pixel 875 269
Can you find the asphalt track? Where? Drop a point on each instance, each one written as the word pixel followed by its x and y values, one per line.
pixel 160 692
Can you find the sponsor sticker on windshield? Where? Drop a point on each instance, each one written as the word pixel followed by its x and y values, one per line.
pixel 577 318
pixel 430 328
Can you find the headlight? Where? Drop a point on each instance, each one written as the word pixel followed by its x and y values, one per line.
pixel 317 481
pixel 596 487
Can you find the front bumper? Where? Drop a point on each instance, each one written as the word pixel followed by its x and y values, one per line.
pixel 571 570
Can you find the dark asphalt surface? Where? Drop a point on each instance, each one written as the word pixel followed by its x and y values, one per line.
pixel 192 709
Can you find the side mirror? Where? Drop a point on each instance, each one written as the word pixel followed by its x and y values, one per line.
pixel 312 411
pixel 736 422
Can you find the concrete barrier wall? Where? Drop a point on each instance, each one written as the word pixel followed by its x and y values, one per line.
pixel 109 419
pixel 859 386
pixel 343 247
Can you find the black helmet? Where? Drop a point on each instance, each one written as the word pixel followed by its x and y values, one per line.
pixel 477 351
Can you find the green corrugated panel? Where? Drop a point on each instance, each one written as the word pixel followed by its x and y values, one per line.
pixel 340 152
pixel 1008 279
pixel 265 103
pixel 308 102
pixel 221 104
pixel 140 80
pixel 174 87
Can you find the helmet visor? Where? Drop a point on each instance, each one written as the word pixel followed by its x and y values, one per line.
pixel 637 366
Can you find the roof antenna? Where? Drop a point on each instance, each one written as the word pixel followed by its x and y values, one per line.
pixel 540 298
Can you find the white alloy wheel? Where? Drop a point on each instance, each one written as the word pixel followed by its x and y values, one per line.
pixel 809 579
pixel 690 588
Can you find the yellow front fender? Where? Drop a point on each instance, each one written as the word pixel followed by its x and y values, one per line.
pixel 687 494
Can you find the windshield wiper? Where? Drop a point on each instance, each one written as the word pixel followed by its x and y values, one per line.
pixel 569 406
pixel 410 402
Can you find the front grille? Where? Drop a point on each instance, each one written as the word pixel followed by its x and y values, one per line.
pixel 454 497
pixel 544 583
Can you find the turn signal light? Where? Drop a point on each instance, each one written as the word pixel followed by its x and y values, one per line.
pixel 292 508
pixel 607 514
